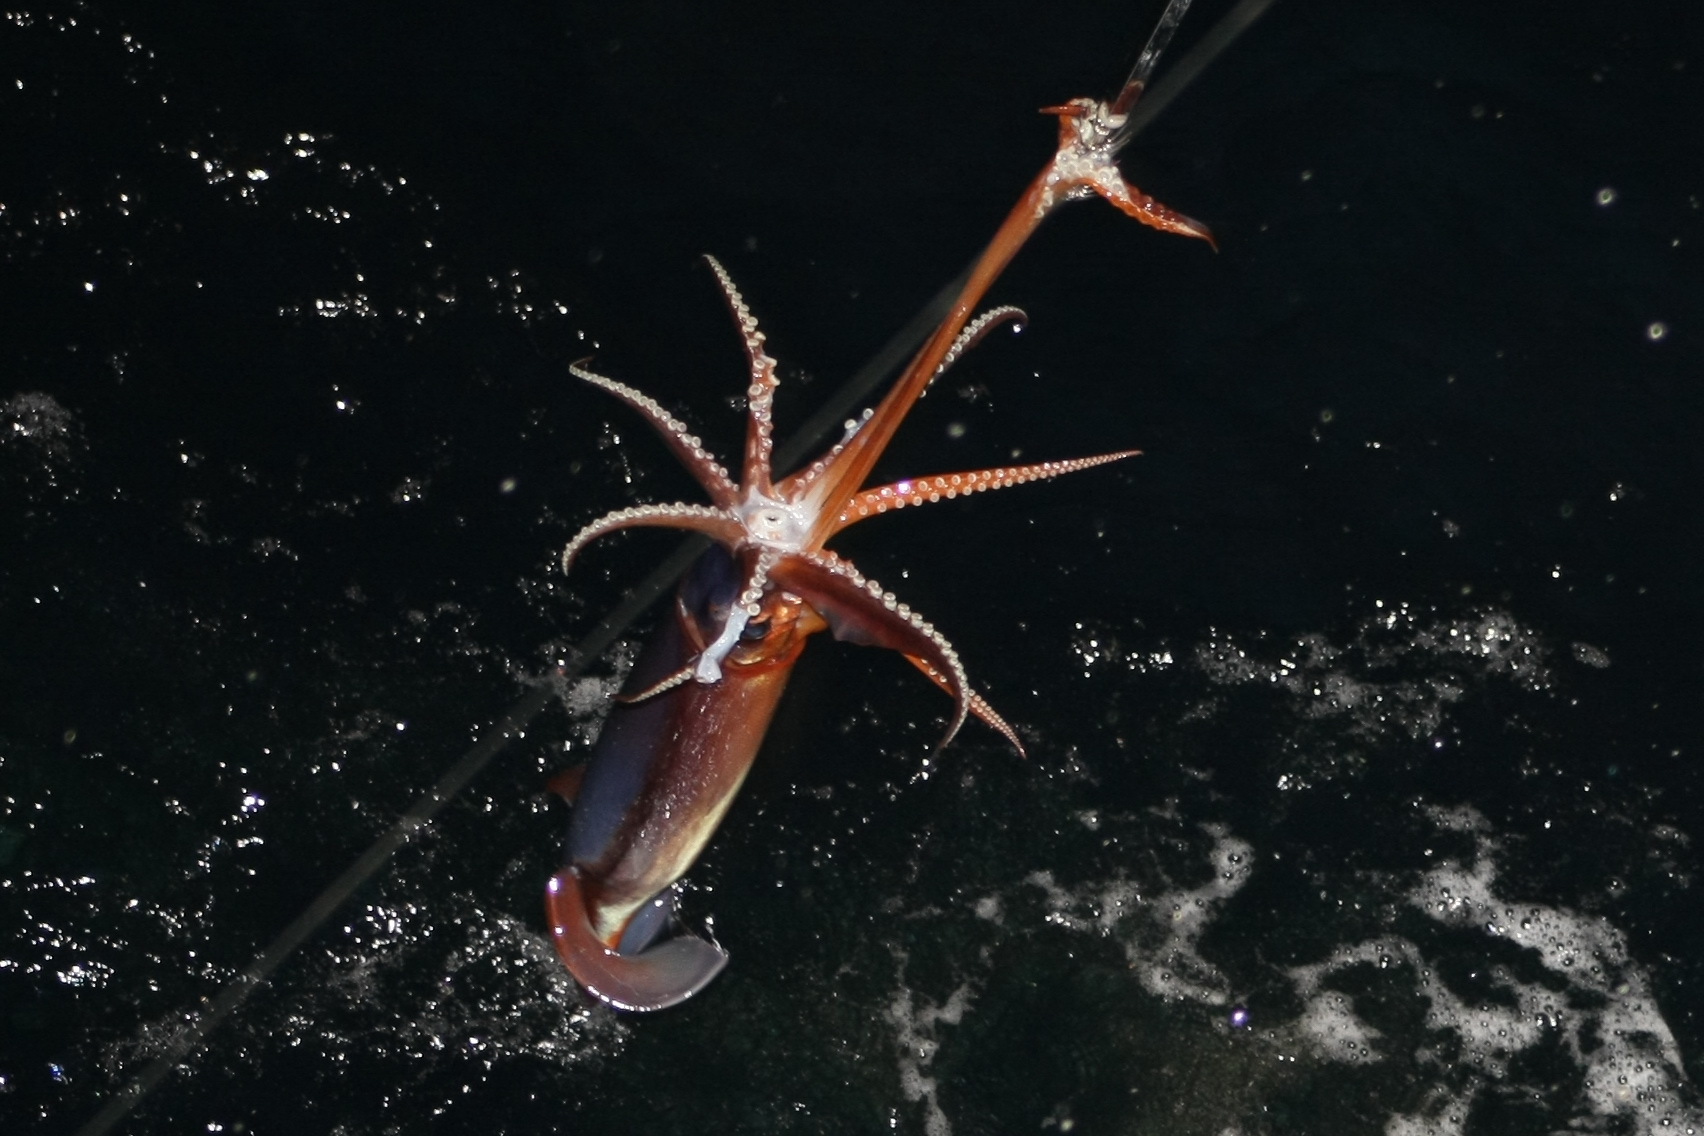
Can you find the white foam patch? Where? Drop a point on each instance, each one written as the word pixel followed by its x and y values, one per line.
pixel 1162 944
pixel 589 696
pixel 1592 998
pixel 1175 968
pixel 1095 908
pixel 1447 1124
pixel 1329 1021
pixel 1329 680
pixel 914 1018
pixel 1631 1061
pixel 1582 992
pixel 1478 995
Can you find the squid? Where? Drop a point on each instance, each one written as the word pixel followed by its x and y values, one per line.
pixel 694 709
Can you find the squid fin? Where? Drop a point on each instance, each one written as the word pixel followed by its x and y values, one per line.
pixel 661 976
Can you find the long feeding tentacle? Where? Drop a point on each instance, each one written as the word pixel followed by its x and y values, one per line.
pixel 798 485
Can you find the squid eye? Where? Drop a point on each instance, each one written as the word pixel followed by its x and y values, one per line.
pixel 756 629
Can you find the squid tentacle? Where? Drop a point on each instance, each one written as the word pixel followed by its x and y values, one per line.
pixel 976 331
pixel 859 610
pixel 925 490
pixel 713 522
pixel 1090 135
pixel 978 705
pixel 760 394
pixel 686 446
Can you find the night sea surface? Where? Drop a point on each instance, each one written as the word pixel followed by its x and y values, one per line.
pixel 1363 709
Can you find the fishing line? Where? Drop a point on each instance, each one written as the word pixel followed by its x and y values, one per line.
pixel 517 718
pixel 1158 40
pixel 1220 36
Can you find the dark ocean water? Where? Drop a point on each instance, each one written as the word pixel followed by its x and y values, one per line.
pixel 1367 703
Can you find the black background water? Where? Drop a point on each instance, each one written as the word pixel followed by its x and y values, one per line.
pixel 1366 700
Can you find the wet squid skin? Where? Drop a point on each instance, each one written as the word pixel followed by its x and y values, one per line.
pixel 689 721
pixel 664 771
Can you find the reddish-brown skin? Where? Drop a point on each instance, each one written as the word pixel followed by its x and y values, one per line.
pixel 711 734
pixel 662 776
